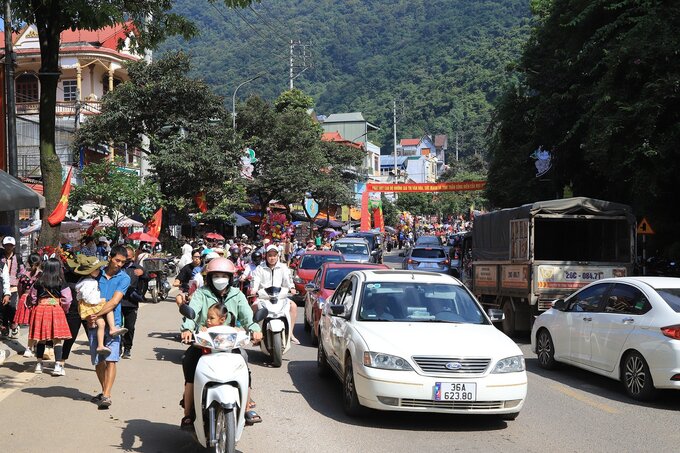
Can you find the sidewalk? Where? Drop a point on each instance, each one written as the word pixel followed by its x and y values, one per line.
pixel 42 412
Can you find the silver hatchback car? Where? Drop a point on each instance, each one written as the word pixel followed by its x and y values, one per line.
pixel 431 259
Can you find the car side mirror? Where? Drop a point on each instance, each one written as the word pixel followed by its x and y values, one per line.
pixel 337 310
pixel 560 305
pixel 496 315
pixel 402 254
pixel 186 311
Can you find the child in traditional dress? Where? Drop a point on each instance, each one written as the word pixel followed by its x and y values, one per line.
pixel 90 301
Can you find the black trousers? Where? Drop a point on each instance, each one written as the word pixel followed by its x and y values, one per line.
pixel 8 311
pixel 74 322
pixel 129 321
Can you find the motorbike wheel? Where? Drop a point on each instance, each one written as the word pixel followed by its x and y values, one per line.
pixel 154 295
pixel 225 432
pixel 277 350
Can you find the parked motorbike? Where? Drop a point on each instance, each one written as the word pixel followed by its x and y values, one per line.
pixel 158 285
pixel 276 327
pixel 220 385
pixel 171 265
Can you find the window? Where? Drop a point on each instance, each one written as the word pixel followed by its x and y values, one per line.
pixel 428 253
pixel 589 299
pixel 348 296
pixel 27 88
pixel 70 88
pixel 339 295
pixel 627 300
pixel 315 261
pixel 672 297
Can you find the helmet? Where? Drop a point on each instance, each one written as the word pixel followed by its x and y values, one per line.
pixel 211 256
pixel 256 257
pixel 272 248
pixel 220 265
pixel 235 251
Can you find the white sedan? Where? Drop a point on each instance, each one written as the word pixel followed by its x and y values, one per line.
pixel 418 341
pixel 625 328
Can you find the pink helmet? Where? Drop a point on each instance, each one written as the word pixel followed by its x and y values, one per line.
pixel 221 265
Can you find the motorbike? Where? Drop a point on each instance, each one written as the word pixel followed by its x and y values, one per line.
pixel 276 327
pixel 220 385
pixel 171 265
pixel 158 285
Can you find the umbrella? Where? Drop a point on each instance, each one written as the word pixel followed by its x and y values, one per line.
pixel 329 230
pixel 239 221
pixel 143 237
pixel 389 229
pixel 215 236
pixel 14 195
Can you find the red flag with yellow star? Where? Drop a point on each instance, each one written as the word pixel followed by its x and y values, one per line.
pixel 201 202
pixel 59 213
pixel 153 226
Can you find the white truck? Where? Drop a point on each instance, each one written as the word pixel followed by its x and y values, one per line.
pixel 526 257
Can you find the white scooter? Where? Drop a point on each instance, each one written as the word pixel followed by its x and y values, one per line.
pixel 276 327
pixel 220 385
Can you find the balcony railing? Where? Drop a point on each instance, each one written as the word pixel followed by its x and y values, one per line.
pixel 63 108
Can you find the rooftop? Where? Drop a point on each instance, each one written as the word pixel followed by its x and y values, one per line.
pixel 409 141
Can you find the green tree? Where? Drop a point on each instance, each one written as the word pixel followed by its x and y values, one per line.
pixel 51 17
pixel 115 192
pixel 192 147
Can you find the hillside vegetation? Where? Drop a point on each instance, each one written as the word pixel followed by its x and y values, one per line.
pixel 443 60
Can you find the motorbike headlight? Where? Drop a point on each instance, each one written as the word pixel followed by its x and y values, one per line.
pixel 385 361
pixel 223 341
pixel 510 365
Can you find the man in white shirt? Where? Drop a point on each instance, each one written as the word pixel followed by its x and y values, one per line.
pixel 275 273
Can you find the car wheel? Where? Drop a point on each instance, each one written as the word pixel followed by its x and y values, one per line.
pixel 509 417
pixel 312 336
pixel 304 317
pixel 508 319
pixel 350 400
pixel 545 350
pixel 636 377
pixel 322 362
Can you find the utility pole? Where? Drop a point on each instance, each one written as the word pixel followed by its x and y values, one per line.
pixel 11 110
pixel 394 130
pixel 302 66
pixel 456 146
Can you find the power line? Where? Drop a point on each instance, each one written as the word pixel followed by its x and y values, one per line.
pixel 268 25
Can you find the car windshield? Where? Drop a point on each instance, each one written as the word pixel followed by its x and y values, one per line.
pixel 369 238
pixel 427 253
pixel 419 302
pixel 315 261
pixel 335 276
pixel 428 240
pixel 351 249
pixel 671 296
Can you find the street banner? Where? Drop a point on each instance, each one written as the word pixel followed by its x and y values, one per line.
pixel 345 214
pixel 311 207
pixel 153 226
pixel 458 186
pixel 59 213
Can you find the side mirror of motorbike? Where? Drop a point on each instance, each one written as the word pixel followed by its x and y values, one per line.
pixel 260 314
pixel 186 311
pixel 374 253
pixel 496 315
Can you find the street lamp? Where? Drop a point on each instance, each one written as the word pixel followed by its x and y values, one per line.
pixel 233 98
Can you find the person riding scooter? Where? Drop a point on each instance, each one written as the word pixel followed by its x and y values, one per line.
pixel 220 272
pixel 275 274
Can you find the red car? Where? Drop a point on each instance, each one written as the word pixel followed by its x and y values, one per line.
pixel 308 264
pixel 322 287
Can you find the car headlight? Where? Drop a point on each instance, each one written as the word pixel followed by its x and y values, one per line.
pixel 510 365
pixel 385 361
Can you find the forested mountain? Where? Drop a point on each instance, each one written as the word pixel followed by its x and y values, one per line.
pixel 444 60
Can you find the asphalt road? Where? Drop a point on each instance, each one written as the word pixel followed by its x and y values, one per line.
pixel 567 410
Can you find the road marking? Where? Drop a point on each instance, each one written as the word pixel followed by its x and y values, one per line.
pixel 584 399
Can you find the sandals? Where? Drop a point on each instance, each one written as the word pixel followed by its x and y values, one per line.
pixel 104 351
pixel 252 418
pixel 294 340
pixel 187 424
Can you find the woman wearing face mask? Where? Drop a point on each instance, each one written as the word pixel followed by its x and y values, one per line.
pixel 217 289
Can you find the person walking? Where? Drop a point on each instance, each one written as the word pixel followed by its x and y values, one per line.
pixel 113 284
pixel 130 302
pixel 51 298
pixel 26 281
pixel 14 267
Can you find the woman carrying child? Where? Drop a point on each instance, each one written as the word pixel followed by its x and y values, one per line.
pixel 26 281
pixel 51 298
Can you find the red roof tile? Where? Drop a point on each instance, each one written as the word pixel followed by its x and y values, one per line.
pixel 409 141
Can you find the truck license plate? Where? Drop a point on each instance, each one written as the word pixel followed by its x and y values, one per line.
pixel 455 391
